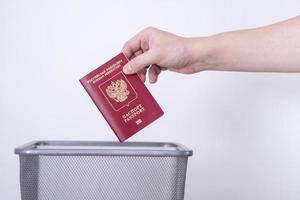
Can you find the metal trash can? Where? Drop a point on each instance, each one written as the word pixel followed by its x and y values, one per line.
pixel 84 170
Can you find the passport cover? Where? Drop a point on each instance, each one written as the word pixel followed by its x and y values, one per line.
pixel 123 100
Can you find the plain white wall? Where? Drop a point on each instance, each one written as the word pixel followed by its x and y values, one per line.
pixel 243 127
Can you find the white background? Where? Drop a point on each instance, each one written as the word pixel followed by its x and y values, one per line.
pixel 243 127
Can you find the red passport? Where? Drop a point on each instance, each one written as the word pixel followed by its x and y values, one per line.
pixel 123 100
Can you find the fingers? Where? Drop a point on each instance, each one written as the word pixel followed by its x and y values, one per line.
pixel 139 62
pixel 130 47
pixel 138 42
pixel 154 71
pixel 133 45
pixel 137 51
pixel 142 74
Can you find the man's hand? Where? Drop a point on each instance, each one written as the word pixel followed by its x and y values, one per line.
pixel 157 50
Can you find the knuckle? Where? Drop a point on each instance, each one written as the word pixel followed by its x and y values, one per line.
pixel 126 44
pixel 150 29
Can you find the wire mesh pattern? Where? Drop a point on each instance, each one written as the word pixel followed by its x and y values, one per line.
pixel 50 177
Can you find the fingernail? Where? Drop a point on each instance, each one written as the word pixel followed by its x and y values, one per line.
pixel 152 79
pixel 127 69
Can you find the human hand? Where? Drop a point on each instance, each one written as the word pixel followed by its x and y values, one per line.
pixel 161 51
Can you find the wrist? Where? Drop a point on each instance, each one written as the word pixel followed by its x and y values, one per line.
pixel 205 52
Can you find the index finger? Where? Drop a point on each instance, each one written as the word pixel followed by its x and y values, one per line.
pixel 132 45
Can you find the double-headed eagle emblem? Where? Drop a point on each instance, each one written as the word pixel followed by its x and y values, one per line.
pixel 117 90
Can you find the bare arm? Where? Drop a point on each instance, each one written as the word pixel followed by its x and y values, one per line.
pixel 273 48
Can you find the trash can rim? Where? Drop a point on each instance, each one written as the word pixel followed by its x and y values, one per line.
pixel 103 148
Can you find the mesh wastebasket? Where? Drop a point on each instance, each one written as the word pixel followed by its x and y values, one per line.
pixel 82 170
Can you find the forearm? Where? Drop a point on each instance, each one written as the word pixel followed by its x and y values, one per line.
pixel 274 48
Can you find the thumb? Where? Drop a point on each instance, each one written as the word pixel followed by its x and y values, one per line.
pixel 139 62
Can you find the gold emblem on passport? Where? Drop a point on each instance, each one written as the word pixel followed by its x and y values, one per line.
pixel 117 90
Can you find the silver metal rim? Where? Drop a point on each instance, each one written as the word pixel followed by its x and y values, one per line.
pixel 31 149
